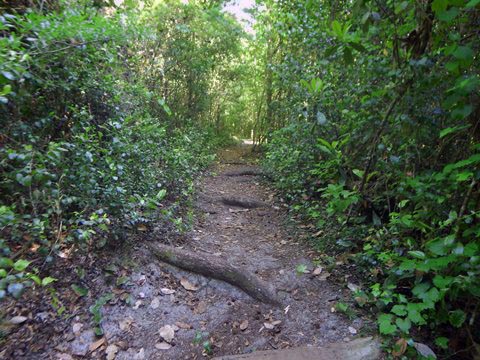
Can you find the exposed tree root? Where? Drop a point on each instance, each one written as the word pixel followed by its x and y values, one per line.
pixel 243 202
pixel 244 172
pixel 214 267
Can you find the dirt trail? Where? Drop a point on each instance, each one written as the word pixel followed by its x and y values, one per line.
pixel 230 321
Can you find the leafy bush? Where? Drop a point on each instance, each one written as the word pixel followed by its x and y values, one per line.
pixel 90 145
pixel 371 123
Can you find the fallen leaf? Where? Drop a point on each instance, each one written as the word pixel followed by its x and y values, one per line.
pixel 167 333
pixel 271 325
pixel 155 304
pixel 166 291
pixel 324 276
pixel 188 285
pixel 138 303
pixel 200 308
pixel 17 320
pixel 244 325
pixel 162 346
pixel 183 325
pixel 318 233
pixel 287 309
pixel 353 287
pixel 77 327
pixel 400 347
pixel 111 352
pixel 94 346
pixel 424 350
pixel 317 270
pixel 126 324
pixel 142 227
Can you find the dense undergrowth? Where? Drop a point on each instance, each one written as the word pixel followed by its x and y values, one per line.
pixel 372 129
pixel 368 111
pixel 104 122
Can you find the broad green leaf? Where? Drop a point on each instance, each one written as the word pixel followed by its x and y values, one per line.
pixel 48 280
pixel 403 324
pixel 472 3
pixel 21 265
pixel 439 5
pixel 358 172
pixel 442 342
pixel 442 282
pixel 451 130
pixel 399 310
pixel 161 194
pixel 448 15
pixel 421 288
pixel 6 263
pixel 79 290
pixel 457 318
pixel 464 53
pixel 417 254
pixel 301 269
pixel 385 324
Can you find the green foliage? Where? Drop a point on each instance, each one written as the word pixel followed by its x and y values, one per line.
pixel 371 133
pixel 100 132
pixel 96 311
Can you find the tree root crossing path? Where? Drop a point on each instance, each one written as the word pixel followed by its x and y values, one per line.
pixel 233 288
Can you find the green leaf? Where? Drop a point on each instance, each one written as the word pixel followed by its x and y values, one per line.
pixel 385 324
pixel 403 324
pixel 347 55
pixel 399 310
pixel 451 130
pixel 463 53
pixel 6 263
pixel 420 289
pixel 442 282
pixel 21 265
pixel 448 15
pixel 416 317
pixel 417 254
pixel 430 297
pixel 439 5
pixel 358 172
pixel 165 107
pixel 442 342
pixel 457 318
pixel 48 280
pixel 337 28
pixel 407 265
pixel 79 290
pixel 472 3
pixel 35 279
pixel 301 269
pixel 161 194
pixel 122 280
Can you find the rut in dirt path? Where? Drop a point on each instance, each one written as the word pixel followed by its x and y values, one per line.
pixel 239 225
